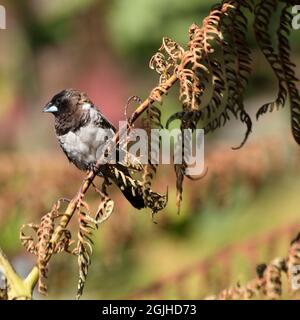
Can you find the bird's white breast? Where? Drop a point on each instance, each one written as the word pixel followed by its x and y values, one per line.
pixel 86 144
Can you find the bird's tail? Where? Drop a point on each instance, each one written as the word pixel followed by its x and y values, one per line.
pixel 133 191
pixel 133 195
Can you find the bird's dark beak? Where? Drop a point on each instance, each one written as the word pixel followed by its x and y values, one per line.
pixel 51 108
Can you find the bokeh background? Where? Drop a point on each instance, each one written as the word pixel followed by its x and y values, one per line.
pixel 245 211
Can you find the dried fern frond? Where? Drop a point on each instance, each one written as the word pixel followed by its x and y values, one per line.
pixel 203 42
pixel 182 148
pixel 226 95
pixel 264 11
pixel 129 101
pixel 106 205
pixel 155 201
pixel 44 234
pixel 41 247
pixel 272 275
pixel 288 69
pixel 152 121
pixel 84 249
pixel 40 243
pixel 193 74
pixel 293 263
pixel 28 241
pixel 87 224
pixel 180 174
pixel 233 70
pixel 159 63
pixel 214 70
pixel 243 61
pixel 269 281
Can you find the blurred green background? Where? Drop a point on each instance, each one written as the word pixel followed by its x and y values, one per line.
pixel 229 220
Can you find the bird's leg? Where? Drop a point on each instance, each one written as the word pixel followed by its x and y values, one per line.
pixel 92 166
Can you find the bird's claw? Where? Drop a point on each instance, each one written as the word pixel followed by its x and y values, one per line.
pixel 92 166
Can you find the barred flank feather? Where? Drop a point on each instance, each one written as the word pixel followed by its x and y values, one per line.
pixel 133 190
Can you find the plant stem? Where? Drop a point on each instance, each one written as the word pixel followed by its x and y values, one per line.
pixel 17 287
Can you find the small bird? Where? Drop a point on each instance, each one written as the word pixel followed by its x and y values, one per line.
pixel 79 127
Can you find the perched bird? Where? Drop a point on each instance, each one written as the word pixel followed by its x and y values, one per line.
pixel 79 127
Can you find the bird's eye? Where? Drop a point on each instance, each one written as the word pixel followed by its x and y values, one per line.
pixel 60 103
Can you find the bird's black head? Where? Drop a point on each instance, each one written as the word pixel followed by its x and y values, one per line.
pixel 68 102
pixel 71 110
